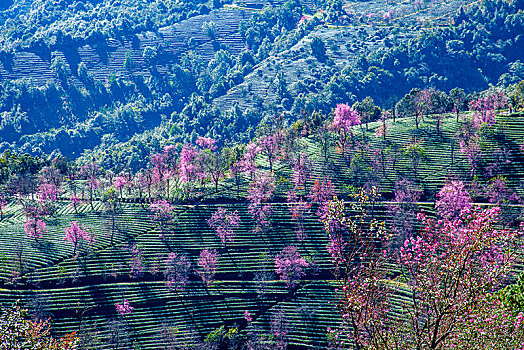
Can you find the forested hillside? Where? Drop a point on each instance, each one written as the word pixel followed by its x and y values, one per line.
pixel 71 83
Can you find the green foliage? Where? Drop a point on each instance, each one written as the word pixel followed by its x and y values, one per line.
pixel 318 49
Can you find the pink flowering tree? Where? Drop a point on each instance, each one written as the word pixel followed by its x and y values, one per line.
pixel 321 193
pixel 90 172
pixel 136 262
pixel 212 161
pixel 343 122
pixel 47 196
pixel 259 193
pixel 224 223
pixel 207 143
pixel 290 266
pixel 501 158
pixel 486 106
pixel 358 246
pixel 162 211
pixel 279 329
pixel 247 162
pixel 300 210
pixel 452 268
pixel 452 199
pixel 188 166
pixel 145 180
pixel 383 129
pixel 207 263
pixel 75 200
pixel 77 233
pixel 35 227
pixel 498 192
pixel 271 147
pixel 296 197
pixel 422 104
pixel 119 183
pixel 124 308
pixel 176 273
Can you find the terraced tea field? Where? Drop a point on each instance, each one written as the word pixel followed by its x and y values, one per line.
pixel 79 292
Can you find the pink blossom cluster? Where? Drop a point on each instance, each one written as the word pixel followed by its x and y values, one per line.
pixel 208 265
pixel 207 143
pixel 247 163
pixel 452 199
pixel 177 271
pixel 486 106
pixel 343 122
pixel 77 232
pixel 35 227
pixel 224 222
pixel 259 193
pixel 124 308
pixel 188 169
pixel 322 193
pixel 290 265
pixel 162 209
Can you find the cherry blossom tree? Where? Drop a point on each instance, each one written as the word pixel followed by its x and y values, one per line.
pixel 188 165
pixel 498 192
pixel 485 107
pixel 259 193
pixel 451 199
pixel 212 161
pixel 279 329
pixel 224 223
pixel 162 212
pixel 145 180
pixel 343 122
pixel 452 267
pixel 301 174
pixel 270 146
pixel 124 308
pixel 207 143
pixel 47 196
pixel 177 271
pixel 119 183
pixel 247 163
pixel 290 265
pixel 76 233
pixel 296 197
pixel 90 172
pixel 469 144
pixel 75 200
pixel 322 192
pixel 207 263
pixel 136 263
pixel 383 129
pixel 358 247
pixel 421 104
pixel 35 227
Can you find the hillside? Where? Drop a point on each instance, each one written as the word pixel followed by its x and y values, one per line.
pixel 221 69
pixel 262 174
pixel 79 291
